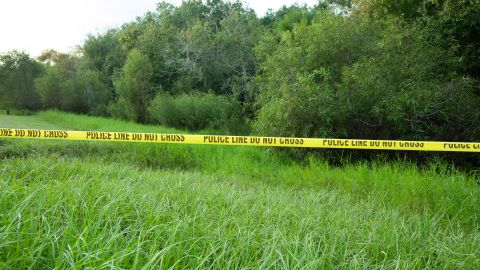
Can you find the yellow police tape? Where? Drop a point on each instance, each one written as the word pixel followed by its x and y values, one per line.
pixel 239 140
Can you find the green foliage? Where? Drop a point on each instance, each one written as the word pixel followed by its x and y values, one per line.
pixel 57 89
pixel 408 9
pixel 403 94
pixel 104 54
pixel 331 42
pixel 17 74
pixel 298 109
pixel 97 95
pixel 102 61
pixel 287 17
pixel 240 34
pixel 57 86
pixel 122 109
pixel 133 88
pixel 297 79
pixel 50 88
pixel 354 78
pixel 452 25
pixel 197 46
pixel 82 91
pixel 70 85
pixel 455 27
pixel 197 111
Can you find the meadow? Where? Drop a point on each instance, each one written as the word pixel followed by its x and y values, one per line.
pixel 104 205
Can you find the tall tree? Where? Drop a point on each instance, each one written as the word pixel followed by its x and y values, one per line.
pixel 133 87
pixel 453 25
pixel 200 45
pixel 57 86
pixel 17 74
pixel 104 53
pixel 57 90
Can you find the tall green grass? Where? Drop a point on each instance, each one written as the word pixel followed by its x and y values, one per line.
pixel 117 205
pixel 73 213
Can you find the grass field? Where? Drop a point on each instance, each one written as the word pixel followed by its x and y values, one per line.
pixel 142 206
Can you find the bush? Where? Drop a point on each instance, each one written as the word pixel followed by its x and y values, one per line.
pixel 57 88
pixel 97 94
pixel 18 72
pixel 396 86
pixel 121 109
pixel 198 111
pixel 374 103
pixel 133 88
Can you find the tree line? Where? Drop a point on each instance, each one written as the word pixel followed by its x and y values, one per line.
pixel 373 69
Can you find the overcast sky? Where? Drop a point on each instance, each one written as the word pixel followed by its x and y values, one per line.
pixel 35 25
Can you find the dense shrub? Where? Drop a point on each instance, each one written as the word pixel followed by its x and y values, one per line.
pixel 17 88
pixel 349 78
pixel 121 109
pixel 198 111
pixel 133 88
pixel 57 90
pixel 96 93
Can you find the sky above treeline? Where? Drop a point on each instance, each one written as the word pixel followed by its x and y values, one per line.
pixel 33 25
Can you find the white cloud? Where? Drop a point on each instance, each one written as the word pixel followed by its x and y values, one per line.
pixel 33 25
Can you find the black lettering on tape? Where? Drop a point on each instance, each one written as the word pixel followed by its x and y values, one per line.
pixel 32 133
pixel 411 144
pixel 457 146
pixel 255 140
pixel 55 134
pixel 93 135
pixel 19 133
pixel 121 136
pixel 239 140
pixel 150 137
pixel 389 144
pixel 336 143
pixel 375 144
pixel 359 143
pixel 216 139
pixel 4 132
pixel 292 141
pixel 172 138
